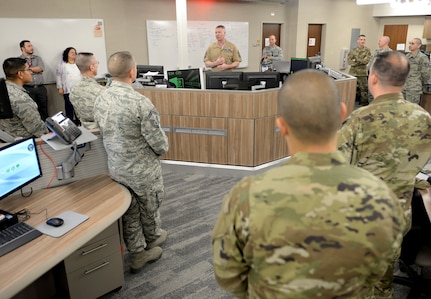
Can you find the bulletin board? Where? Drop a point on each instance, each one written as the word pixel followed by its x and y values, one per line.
pixel 163 42
pixel 50 37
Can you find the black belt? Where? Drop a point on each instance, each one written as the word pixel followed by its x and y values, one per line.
pixel 34 86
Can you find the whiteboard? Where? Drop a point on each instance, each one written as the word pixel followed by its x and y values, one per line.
pixel 163 42
pixel 50 37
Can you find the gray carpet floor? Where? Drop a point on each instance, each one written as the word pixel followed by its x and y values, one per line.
pixel 185 270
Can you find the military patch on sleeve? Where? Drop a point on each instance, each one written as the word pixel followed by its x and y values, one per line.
pixel 153 119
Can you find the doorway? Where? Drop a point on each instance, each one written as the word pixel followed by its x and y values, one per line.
pixel 271 29
pixel 314 40
pixel 397 34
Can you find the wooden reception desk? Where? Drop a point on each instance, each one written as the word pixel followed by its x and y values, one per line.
pixel 229 127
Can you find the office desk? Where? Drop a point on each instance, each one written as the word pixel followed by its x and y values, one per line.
pixel 103 200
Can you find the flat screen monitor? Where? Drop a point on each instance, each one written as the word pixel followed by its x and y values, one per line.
pixel 19 166
pixel 5 107
pixel 313 62
pixel 297 64
pixel 186 78
pixel 223 80
pixel 143 69
pixel 271 79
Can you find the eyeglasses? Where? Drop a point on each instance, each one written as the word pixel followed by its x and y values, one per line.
pixel 97 62
pixel 27 70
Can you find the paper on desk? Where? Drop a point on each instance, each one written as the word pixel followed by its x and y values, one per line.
pixel 149 73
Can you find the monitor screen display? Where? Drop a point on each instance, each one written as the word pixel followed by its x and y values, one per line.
pixel 142 69
pixel 223 80
pixel 271 79
pixel 313 62
pixel 297 64
pixel 19 166
pixel 187 78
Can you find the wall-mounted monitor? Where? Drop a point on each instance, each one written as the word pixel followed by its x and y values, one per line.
pixel 297 64
pixel 223 80
pixel 313 61
pixel 143 69
pixel 263 79
pixel 19 166
pixel 187 78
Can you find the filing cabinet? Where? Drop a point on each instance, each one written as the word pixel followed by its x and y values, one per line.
pixel 97 267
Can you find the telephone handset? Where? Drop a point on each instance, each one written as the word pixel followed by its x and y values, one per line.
pixel 63 127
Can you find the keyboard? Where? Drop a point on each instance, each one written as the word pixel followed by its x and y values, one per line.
pixel 16 235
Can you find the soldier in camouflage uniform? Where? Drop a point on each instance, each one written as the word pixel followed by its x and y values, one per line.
pixel 26 120
pixel 358 59
pixel 419 72
pixel 85 92
pixel 391 138
pixel 315 227
pixel 134 141
pixel 383 44
pixel 270 54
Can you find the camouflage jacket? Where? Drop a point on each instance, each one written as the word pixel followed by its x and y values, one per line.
pixel 315 227
pixel 132 136
pixel 391 138
pixel 419 72
pixel 358 60
pixel 82 97
pixel 26 120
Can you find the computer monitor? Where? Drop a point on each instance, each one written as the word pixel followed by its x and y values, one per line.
pixel 187 78
pixel 223 80
pixel 297 64
pixel 313 61
pixel 143 69
pixel 271 79
pixel 19 166
pixel 5 107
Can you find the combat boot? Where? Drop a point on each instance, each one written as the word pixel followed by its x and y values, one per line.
pixel 138 260
pixel 159 241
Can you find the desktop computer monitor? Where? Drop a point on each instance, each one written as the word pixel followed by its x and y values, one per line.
pixel 143 69
pixel 271 79
pixel 313 61
pixel 187 78
pixel 223 80
pixel 297 64
pixel 19 166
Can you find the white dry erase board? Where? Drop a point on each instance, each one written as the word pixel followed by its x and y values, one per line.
pixel 50 37
pixel 163 43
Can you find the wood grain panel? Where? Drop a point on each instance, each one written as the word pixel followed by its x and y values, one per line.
pixel 280 145
pixel 200 147
pixel 265 103
pixel 166 122
pixel 347 90
pixel 241 105
pixel 241 142
pixel 264 140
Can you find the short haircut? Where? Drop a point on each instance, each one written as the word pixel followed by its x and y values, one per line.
pixel 66 51
pixel 418 40
pixel 120 63
pixel 361 35
pixel 22 43
pixel 309 102
pixel 84 60
pixel 221 26
pixel 391 68
pixel 12 66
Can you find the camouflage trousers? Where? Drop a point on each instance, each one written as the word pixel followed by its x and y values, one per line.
pixel 412 96
pixel 362 83
pixel 141 222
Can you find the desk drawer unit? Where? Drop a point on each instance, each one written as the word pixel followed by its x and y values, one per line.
pixel 97 267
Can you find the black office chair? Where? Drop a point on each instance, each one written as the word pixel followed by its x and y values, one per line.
pixel 416 252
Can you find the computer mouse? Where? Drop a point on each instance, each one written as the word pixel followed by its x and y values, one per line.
pixel 56 222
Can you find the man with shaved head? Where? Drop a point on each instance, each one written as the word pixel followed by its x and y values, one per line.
pixel 315 227
pixel 391 138
pixel 134 141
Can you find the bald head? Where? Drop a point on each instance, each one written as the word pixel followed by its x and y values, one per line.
pixel 309 103
pixel 120 64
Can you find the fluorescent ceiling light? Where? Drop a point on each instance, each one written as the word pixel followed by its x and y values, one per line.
pixel 365 2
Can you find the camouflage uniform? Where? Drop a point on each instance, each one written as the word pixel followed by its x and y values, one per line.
pixel 418 76
pixel 391 138
pixel 82 97
pixel 26 120
pixel 358 59
pixel 229 52
pixel 315 227
pixel 276 52
pixel 134 141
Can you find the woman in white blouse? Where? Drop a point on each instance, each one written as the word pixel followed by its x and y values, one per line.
pixel 68 75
